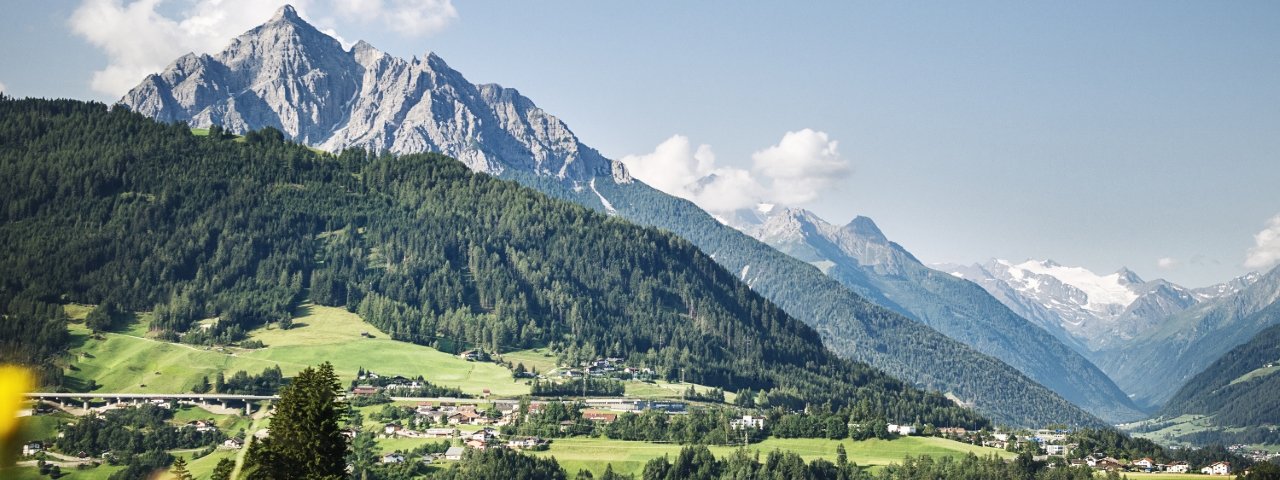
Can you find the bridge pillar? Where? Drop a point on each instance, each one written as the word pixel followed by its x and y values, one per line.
pixel 86 404
pixel 224 404
pixel 248 408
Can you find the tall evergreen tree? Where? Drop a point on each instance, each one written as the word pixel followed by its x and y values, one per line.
pixel 306 439
pixel 180 471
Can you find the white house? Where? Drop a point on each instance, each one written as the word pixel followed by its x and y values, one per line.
pixel 1061 450
pixel 1177 467
pixel 1218 468
pixel 1145 463
pixel 393 458
pixel 902 429
pixel 747 421
pixel 32 448
pixel 233 443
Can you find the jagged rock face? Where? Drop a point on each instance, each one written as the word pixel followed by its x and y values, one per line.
pixel 288 75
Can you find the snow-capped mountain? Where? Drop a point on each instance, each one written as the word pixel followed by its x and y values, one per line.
pixel 288 75
pixel 861 257
pixel 1148 336
pixel 1083 307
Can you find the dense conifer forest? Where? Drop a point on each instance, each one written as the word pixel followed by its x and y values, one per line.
pixel 103 206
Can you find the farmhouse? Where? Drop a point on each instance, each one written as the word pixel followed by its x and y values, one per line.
pixel 393 458
pixel 1218 468
pixel 364 390
pixel 233 443
pixel 391 429
pixel 1146 464
pixel 32 448
pixel 1177 467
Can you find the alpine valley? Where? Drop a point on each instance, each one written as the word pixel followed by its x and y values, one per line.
pixel 286 74
pixel 303 258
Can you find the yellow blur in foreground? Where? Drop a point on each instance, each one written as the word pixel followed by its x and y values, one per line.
pixel 15 382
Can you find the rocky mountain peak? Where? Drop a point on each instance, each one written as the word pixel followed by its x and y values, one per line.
pixel 866 228
pixel 286 13
pixel 287 74
pixel 1127 277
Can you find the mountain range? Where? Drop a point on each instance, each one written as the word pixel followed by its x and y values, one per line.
pixel 863 259
pixel 287 75
pixel 1146 335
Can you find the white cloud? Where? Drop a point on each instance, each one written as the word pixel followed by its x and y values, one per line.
pixel 1167 263
pixel 139 38
pixel 3 88
pixel 801 166
pixel 1266 250
pixel 793 172
pixel 677 168
pixel 407 17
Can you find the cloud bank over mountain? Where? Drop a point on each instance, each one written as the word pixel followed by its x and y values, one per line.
pixel 1266 250
pixel 795 171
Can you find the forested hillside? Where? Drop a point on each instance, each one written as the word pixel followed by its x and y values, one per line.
pixel 107 207
pixel 1241 389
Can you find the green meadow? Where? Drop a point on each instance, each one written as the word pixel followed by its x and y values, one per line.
pixel 129 361
pixel 594 454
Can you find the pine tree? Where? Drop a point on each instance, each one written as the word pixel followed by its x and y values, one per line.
pixel 306 439
pixel 180 470
pixel 223 470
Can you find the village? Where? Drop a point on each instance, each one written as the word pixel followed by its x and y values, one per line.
pixel 400 411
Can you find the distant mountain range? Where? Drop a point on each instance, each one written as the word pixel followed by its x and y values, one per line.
pixel 1148 336
pixel 287 75
pixel 862 258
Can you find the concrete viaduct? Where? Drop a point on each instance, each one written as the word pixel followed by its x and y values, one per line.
pixel 135 398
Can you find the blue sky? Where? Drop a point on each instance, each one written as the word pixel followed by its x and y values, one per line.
pixel 1100 134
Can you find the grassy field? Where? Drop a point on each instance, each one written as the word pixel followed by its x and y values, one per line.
pixel 1182 425
pixel 333 334
pixel 228 424
pixel 202 467
pixel 43 427
pixel 31 473
pixel 128 361
pixel 1256 373
pixel 662 389
pixel 540 359
pixel 629 457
